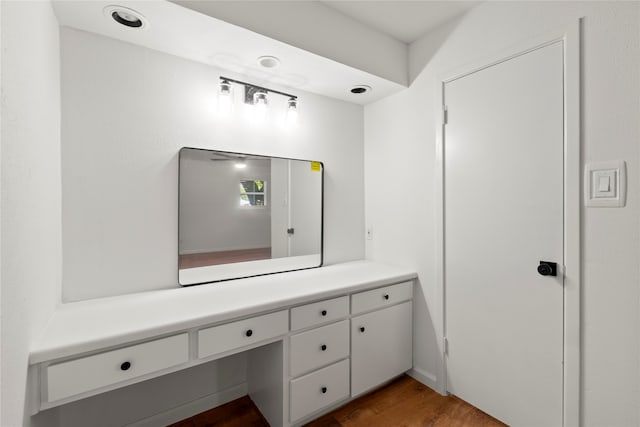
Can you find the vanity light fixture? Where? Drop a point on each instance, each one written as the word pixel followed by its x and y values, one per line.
pixel 241 163
pixel 257 97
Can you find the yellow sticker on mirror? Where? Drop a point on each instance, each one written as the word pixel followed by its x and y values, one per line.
pixel 316 166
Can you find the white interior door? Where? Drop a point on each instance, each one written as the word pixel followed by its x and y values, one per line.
pixel 503 150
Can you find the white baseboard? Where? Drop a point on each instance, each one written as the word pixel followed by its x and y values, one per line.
pixel 192 408
pixel 424 377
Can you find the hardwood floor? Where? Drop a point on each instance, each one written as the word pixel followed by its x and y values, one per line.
pixel 238 413
pixel 404 402
pixel 408 403
pixel 223 257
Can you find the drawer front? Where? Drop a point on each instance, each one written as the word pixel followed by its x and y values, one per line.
pixel 92 372
pixel 319 389
pixel 229 336
pixel 319 313
pixel 381 297
pixel 318 347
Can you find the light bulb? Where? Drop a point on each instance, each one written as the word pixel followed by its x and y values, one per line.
pixel 260 106
pixel 225 98
pixel 292 111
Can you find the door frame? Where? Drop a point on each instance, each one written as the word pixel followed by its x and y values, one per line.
pixel 570 37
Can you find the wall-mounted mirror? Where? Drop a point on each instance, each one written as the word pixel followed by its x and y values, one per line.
pixel 244 215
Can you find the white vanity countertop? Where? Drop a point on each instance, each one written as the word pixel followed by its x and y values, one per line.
pixel 91 325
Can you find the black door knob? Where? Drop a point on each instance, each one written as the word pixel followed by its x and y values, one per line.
pixel 249 333
pixel 361 328
pixel 324 390
pixel 385 296
pixel 323 347
pixel 323 312
pixel 125 366
pixel 548 268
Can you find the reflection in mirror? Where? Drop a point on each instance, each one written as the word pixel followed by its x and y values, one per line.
pixel 244 215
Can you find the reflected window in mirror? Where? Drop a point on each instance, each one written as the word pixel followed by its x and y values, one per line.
pixel 253 193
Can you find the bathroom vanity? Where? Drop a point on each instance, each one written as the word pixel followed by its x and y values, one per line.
pixel 314 338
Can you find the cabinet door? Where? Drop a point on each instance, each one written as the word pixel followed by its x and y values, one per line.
pixel 381 346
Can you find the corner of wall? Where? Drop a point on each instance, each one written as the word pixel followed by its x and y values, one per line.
pixel 31 277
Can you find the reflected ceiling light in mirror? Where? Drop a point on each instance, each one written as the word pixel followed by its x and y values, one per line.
pixel 292 112
pixel 241 163
pixel 225 98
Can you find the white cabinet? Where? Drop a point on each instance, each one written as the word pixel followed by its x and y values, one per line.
pixel 318 313
pixel 318 347
pixel 381 297
pixel 305 351
pixel 312 350
pixel 84 374
pixel 381 346
pixel 319 389
pixel 231 336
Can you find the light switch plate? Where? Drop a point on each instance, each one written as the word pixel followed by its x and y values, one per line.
pixel 605 184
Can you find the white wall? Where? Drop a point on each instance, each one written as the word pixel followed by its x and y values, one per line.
pixel 211 218
pixel 126 111
pixel 31 205
pixel 399 174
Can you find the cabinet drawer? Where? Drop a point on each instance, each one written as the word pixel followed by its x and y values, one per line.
pixel 319 312
pixel 318 347
pixel 319 389
pixel 92 372
pixel 381 297
pixel 229 336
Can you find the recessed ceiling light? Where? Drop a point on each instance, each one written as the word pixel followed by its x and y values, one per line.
pixel 269 61
pixel 125 16
pixel 360 89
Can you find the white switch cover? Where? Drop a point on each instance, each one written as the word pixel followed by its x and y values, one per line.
pixel 605 184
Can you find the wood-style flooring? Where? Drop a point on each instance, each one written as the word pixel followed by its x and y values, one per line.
pixel 403 403
pixel 222 257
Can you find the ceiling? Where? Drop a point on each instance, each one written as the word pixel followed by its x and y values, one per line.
pixel 325 47
pixel 405 21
